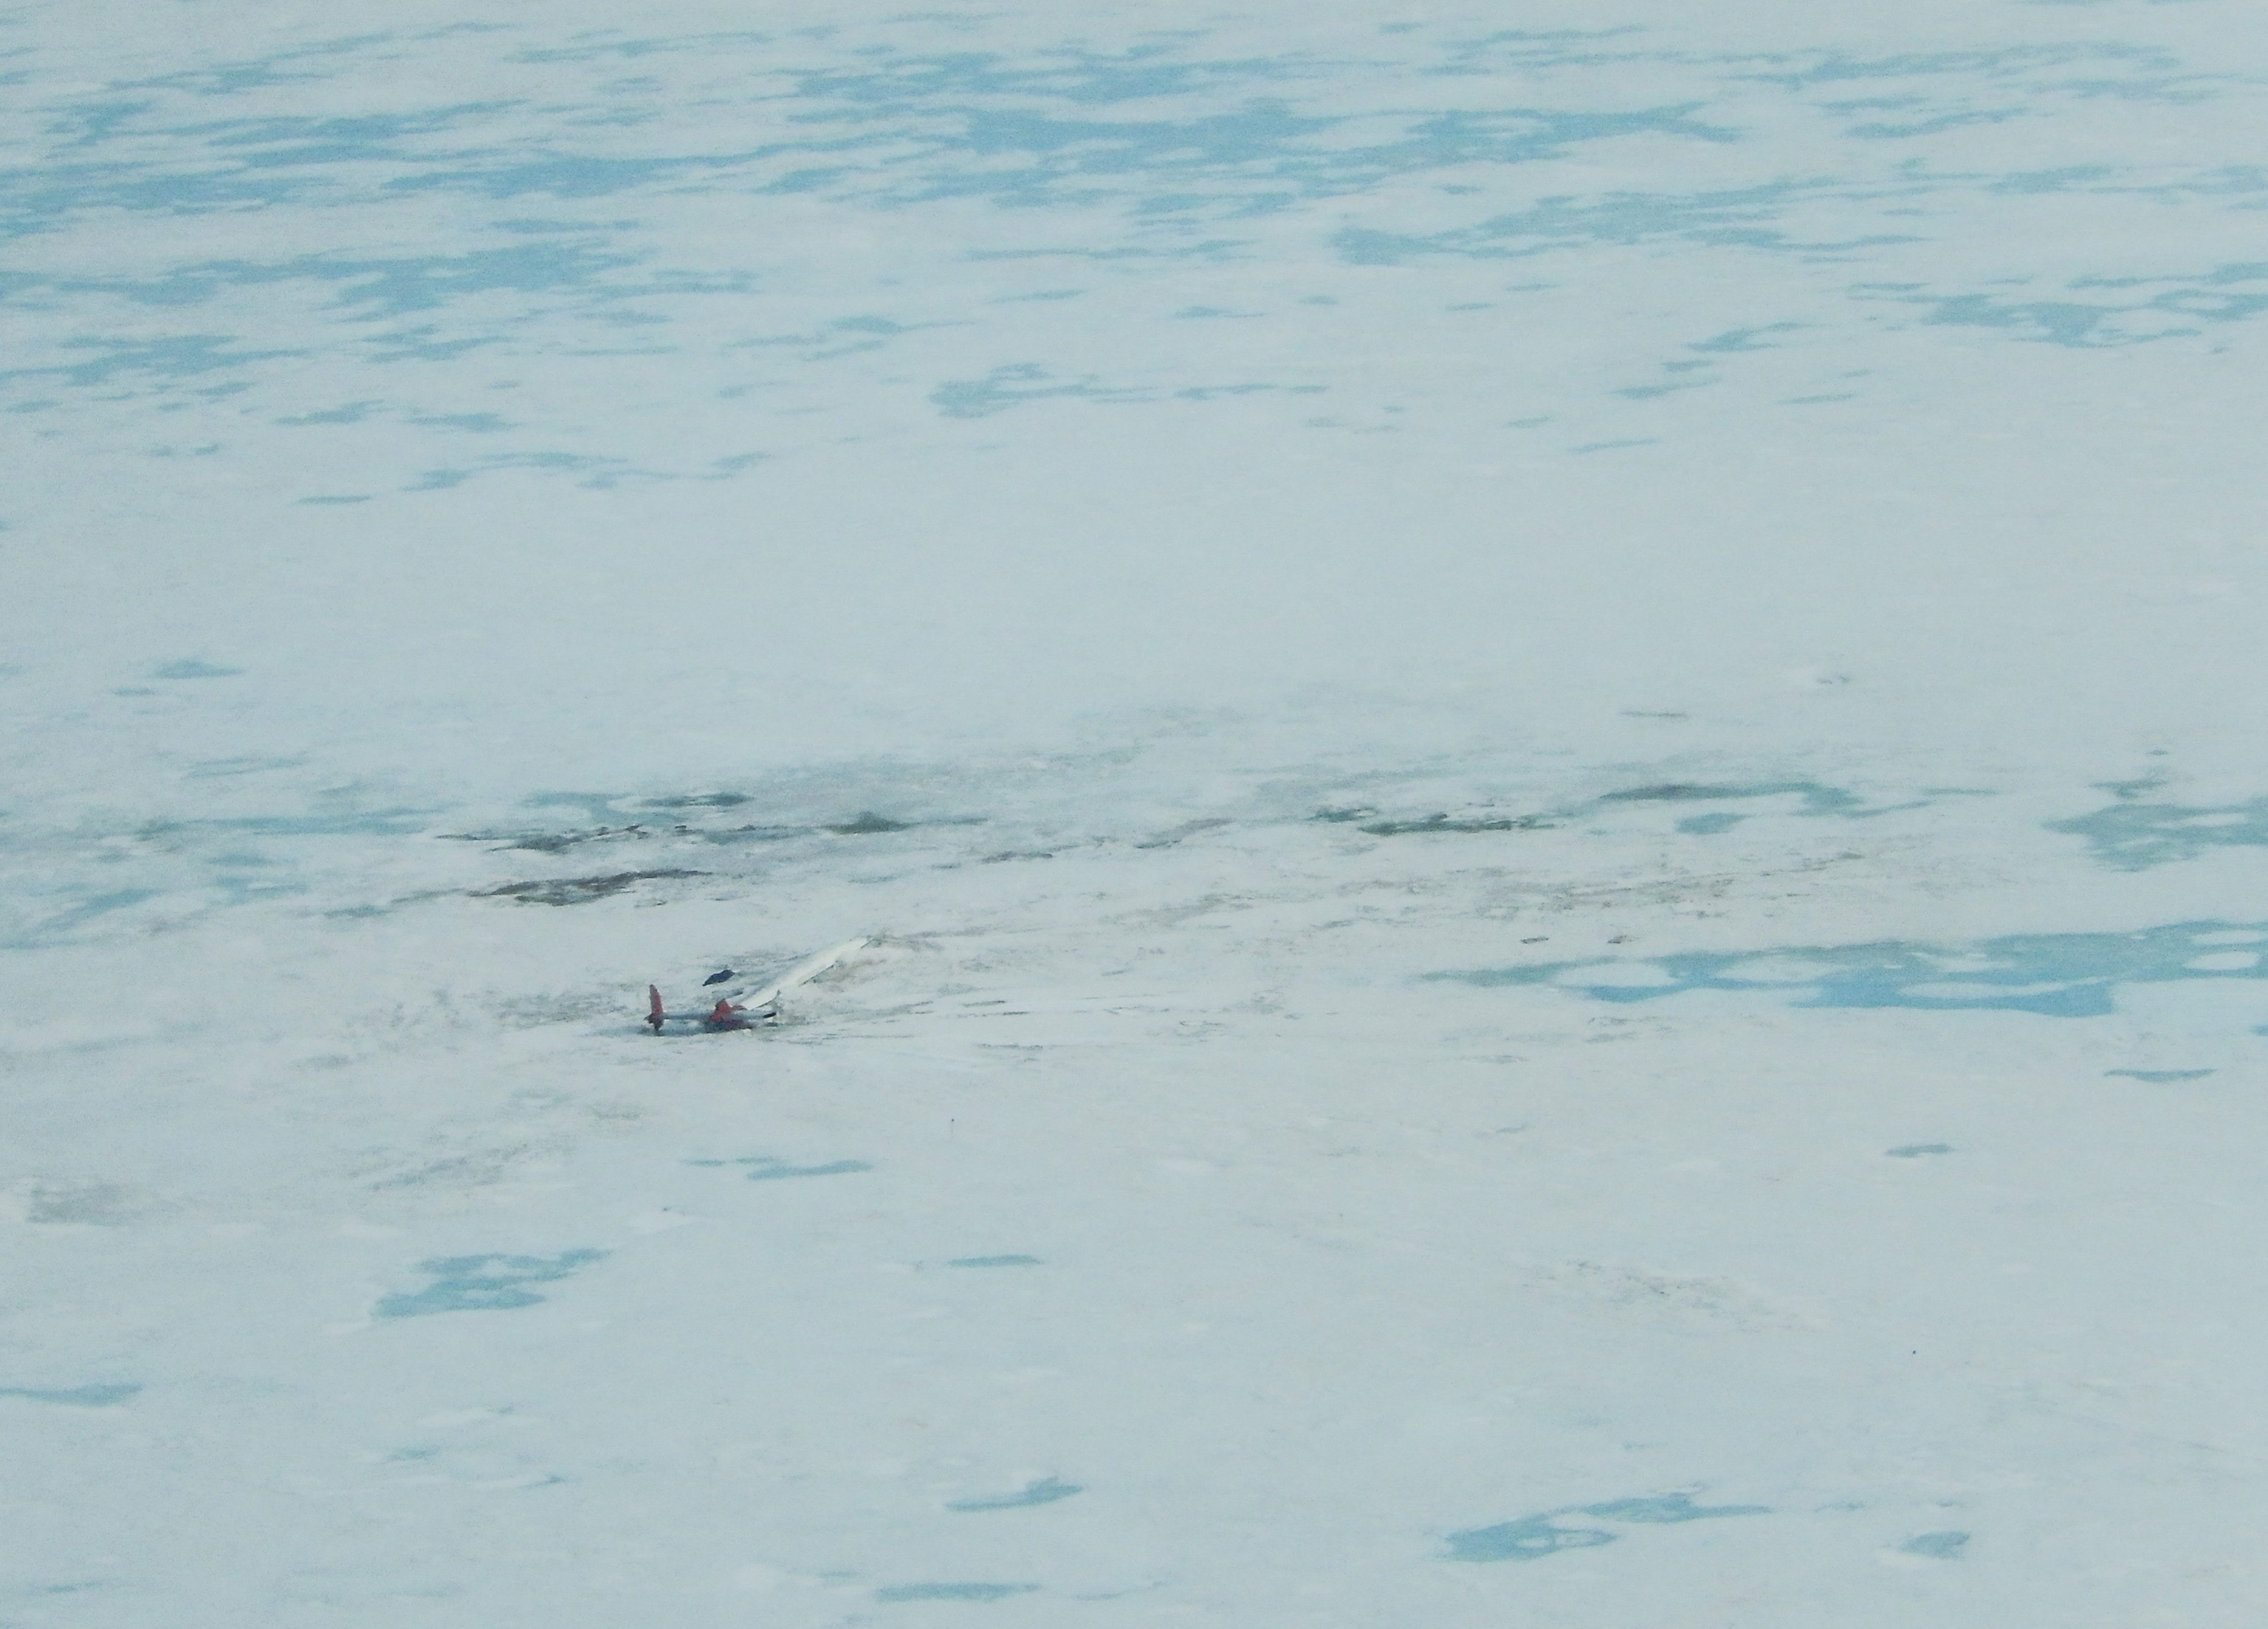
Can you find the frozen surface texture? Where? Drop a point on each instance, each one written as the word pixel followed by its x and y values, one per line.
pixel 1544 723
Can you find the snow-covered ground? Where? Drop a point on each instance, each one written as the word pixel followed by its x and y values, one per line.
pixel 1545 718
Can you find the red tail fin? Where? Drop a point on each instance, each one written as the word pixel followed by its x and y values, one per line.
pixel 654 1007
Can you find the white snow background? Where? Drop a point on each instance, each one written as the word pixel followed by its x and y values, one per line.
pixel 1547 716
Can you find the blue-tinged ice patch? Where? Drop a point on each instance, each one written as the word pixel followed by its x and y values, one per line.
pixel 1018 383
pixel 1811 800
pixel 333 139
pixel 2158 1077
pixel 1533 1537
pixel 763 1169
pixel 601 474
pixel 595 472
pixel 1667 1507
pixel 2094 324
pixel 1814 801
pixel 2056 975
pixel 840 336
pixel 86 909
pixel 485 1283
pixel 1747 217
pixel 1945 1546
pixel 773 1170
pixel 1918 1151
pixel 180 357
pixel 296 65
pixel 191 668
pixel 2131 835
pixel 241 878
pixel 398 285
pixel 1045 1491
pixel 1942 89
pixel 352 413
pixel 73 1397
pixel 952 1592
pixel 340 822
pixel 890 79
pixel 76 878
pixel 994 1262
pixel 1529 1539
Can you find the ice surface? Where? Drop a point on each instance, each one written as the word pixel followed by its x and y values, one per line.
pixel 1544 728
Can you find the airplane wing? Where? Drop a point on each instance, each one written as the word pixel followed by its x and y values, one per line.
pixel 803 972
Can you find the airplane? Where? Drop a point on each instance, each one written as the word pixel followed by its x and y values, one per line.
pixel 726 1014
pixel 755 1007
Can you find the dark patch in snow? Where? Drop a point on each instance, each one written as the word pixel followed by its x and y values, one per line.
pixel 1442 823
pixel 1041 1493
pixel 952 1592
pixel 868 824
pixel 1817 799
pixel 73 1397
pixel 576 889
